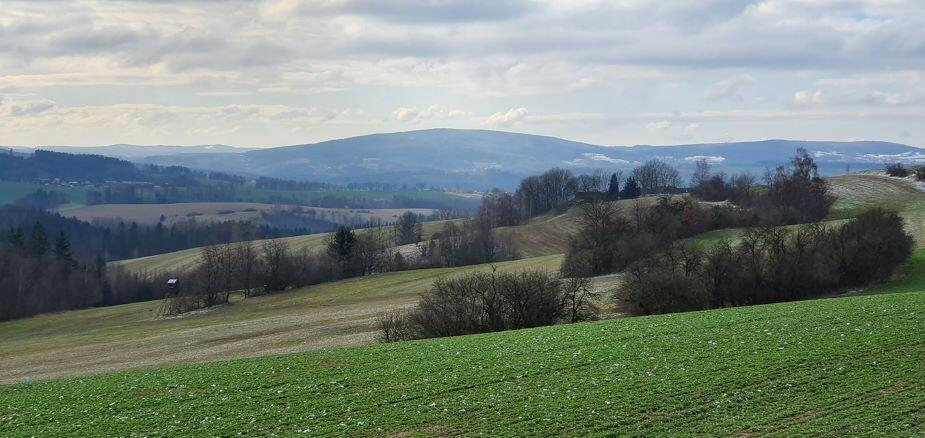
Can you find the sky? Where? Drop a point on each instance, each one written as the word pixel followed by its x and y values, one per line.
pixel 620 72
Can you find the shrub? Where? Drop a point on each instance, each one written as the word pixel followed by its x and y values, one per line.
pixel 897 170
pixel 658 284
pixel 919 173
pixel 488 302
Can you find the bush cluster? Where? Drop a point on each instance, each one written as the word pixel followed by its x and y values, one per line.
pixel 899 171
pixel 769 265
pixel 610 239
pixel 489 302
pixel 793 193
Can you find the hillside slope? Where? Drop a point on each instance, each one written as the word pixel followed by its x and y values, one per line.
pixel 850 366
pixel 131 336
pixel 481 159
pixel 858 192
pixel 179 260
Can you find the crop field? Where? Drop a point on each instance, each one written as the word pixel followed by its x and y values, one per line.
pixel 861 191
pixel 131 336
pixel 826 367
pixel 222 211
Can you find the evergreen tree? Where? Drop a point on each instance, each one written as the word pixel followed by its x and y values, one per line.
pixel 16 239
pixel 631 189
pixel 38 244
pixel 613 192
pixel 340 247
pixel 63 250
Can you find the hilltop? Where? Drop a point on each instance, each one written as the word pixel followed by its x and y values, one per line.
pixel 481 159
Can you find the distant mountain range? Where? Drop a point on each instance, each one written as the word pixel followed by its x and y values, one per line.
pixel 480 159
pixel 136 152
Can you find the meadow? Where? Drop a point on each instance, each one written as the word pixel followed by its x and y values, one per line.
pixel 132 336
pixel 177 261
pixel 12 191
pixel 150 214
pixel 823 367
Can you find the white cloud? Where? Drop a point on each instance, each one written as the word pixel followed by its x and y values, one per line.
pixel 806 98
pixel 728 89
pixel 658 126
pixel 25 108
pixel 432 113
pixel 597 70
pixel 511 117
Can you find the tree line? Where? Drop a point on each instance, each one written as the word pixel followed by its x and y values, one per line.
pixel 272 266
pixel 792 193
pixel 39 276
pixel 117 240
pixel 769 265
pixel 611 238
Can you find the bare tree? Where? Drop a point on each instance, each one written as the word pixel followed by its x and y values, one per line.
pixel 656 176
pixel 246 271
pixel 701 173
pixel 407 228
pixel 276 264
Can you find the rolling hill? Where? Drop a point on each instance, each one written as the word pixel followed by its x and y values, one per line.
pixel 480 159
pixel 849 366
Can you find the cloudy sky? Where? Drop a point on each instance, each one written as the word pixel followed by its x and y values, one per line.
pixel 621 72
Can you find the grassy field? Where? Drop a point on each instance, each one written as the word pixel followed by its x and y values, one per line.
pixel 223 211
pixel 179 260
pixel 862 191
pixel 911 278
pixel 11 191
pixel 543 235
pixel 836 367
pixel 131 336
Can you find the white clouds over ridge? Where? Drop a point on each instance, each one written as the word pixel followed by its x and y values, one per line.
pixel 589 70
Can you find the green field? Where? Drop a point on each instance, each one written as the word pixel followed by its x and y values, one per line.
pixel 131 336
pixel 862 191
pixel 910 278
pixel 825 367
pixel 11 191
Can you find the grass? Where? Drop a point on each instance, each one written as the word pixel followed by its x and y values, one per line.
pixel 223 211
pixel 177 261
pixel 130 336
pixel 859 192
pixel 910 279
pixel 850 366
pixel 12 191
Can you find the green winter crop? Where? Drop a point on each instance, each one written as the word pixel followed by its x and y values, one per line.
pixel 848 366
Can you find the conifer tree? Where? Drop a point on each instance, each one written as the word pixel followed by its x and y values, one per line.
pixel 38 243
